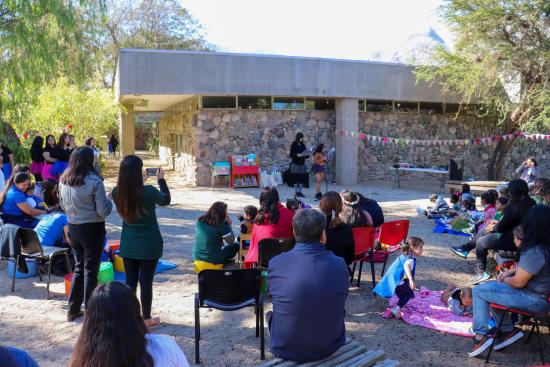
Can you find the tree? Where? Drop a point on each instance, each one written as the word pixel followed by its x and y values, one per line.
pixel 501 60
pixel 62 106
pixel 157 24
pixel 38 40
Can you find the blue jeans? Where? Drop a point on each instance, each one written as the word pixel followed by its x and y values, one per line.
pixel 503 294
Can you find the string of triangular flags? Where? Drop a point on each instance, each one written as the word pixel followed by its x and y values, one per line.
pixel 376 139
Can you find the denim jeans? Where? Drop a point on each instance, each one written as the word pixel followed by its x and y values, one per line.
pixel 503 294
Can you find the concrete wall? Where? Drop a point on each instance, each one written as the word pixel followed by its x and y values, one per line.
pixel 150 72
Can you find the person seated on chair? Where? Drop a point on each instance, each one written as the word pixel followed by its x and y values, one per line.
pixel 13 201
pixel 213 229
pixel 339 235
pixel 273 221
pixel 525 287
pixel 373 208
pixel 308 287
pixel 247 223
pixel 352 213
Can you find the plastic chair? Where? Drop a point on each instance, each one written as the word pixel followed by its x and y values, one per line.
pixel 243 251
pixel 268 248
pixel 392 234
pixel 220 169
pixel 537 321
pixel 363 239
pixel 31 248
pixel 230 290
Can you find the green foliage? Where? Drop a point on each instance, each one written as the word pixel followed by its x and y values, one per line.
pixel 91 112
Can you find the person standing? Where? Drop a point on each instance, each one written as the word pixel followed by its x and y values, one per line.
pixel 113 143
pixel 90 142
pixel 318 169
pixel 298 171
pixel 141 242
pixel 83 198
pixel 7 160
pixel 50 157
pixel 528 171
pixel 37 150
pixel 62 153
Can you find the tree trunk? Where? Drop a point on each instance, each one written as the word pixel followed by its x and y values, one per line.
pixel 498 158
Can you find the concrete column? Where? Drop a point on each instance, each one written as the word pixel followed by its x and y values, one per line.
pixel 126 130
pixel 347 147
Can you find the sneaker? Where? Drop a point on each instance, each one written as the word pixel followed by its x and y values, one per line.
pixel 318 196
pixel 396 312
pixel 73 316
pixel 508 339
pixel 481 345
pixel 459 251
pixel 479 278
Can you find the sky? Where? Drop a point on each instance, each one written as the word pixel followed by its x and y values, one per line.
pixel 342 29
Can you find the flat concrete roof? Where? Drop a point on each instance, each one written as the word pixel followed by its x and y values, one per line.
pixel 158 73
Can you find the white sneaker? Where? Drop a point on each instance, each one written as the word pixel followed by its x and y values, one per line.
pixel 396 312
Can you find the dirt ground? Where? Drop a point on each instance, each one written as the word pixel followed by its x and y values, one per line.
pixel 30 322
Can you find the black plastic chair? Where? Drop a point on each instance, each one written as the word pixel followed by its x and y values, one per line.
pixel 268 248
pixel 31 248
pixel 230 290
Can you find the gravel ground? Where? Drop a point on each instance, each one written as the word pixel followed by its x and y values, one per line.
pixel 30 322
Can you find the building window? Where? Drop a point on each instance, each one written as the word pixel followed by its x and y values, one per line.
pixel 406 106
pixel 452 108
pixel 379 106
pixel 319 104
pixel 288 103
pixel 431 108
pixel 219 102
pixel 362 105
pixel 254 102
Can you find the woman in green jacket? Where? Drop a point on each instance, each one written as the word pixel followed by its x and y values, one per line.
pixel 141 241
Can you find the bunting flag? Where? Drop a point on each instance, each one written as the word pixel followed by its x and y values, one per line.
pixel 484 140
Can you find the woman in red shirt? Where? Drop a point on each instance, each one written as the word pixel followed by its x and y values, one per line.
pixel 273 221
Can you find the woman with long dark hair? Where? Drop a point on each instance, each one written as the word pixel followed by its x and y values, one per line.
pixel 113 334
pixel 63 151
pixel 339 234
pixel 372 207
pixel 298 171
pixel 37 150
pixel 7 160
pixel 83 198
pixel 500 234
pixel 352 213
pixel 141 243
pixel 13 201
pixel 273 221
pixel 50 157
pixel 211 231
pixel 526 287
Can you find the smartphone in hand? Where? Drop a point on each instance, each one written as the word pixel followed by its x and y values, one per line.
pixel 151 172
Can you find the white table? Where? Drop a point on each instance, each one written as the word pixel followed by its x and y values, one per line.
pixel 397 175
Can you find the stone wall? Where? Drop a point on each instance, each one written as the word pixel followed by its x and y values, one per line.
pixel 177 140
pixel 375 159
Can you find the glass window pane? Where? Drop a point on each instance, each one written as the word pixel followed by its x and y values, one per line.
pixel 406 107
pixel 379 106
pixel 431 108
pixel 219 102
pixel 362 105
pixel 255 102
pixel 319 104
pixel 288 103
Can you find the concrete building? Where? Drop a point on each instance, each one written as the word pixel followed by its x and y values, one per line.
pixel 216 104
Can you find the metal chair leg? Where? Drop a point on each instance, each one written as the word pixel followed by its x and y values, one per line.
pixel 359 274
pixel 38 269
pixel 68 261
pixel 530 334
pixel 49 277
pixel 197 333
pixel 262 337
pixel 15 261
pixel 539 339
pixel 352 273
pixel 496 333
pixel 257 309
pixel 372 270
pixel 384 267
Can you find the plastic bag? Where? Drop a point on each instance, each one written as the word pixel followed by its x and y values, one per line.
pixel 273 181
pixel 265 179
pixel 276 173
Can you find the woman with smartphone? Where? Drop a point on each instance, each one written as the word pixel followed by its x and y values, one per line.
pixel 141 243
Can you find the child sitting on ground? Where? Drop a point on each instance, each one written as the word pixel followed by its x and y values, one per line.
pixel 440 209
pixel 459 300
pixel 399 280
pixel 500 205
pixel 488 200
pixel 455 201
pixel 466 194
pixel 503 191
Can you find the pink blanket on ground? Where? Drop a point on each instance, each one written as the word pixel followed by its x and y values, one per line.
pixel 427 310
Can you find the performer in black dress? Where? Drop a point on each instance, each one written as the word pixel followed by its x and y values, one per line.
pixel 298 171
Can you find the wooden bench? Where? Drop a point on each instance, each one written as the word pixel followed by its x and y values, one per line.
pixel 351 354
pixel 476 187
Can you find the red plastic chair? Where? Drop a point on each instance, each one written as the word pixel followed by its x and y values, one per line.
pixel 363 239
pixel 538 318
pixel 392 234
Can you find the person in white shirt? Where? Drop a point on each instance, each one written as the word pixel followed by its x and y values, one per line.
pixel 114 334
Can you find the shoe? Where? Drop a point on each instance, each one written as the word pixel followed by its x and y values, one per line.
pixel 299 195
pixel 152 323
pixel 73 316
pixel 396 312
pixel 481 345
pixel 508 339
pixel 459 251
pixel 318 196
pixel 479 278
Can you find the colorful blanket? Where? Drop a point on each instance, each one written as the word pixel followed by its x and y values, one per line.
pixel 427 310
pixel 441 226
